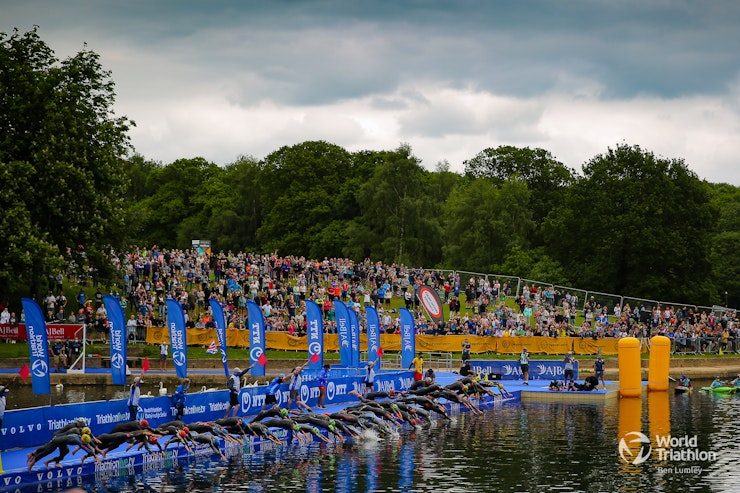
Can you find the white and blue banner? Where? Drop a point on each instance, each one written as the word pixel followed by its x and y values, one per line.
pixel 38 346
pixel 372 326
pixel 178 337
pixel 344 335
pixel 408 338
pixel 315 336
pixel 256 322
pixel 510 369
pixel 118 340
pixel 220 320
pixel 354 344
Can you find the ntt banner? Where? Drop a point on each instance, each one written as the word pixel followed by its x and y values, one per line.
pixel 256 338
pixel 343 333
pixel 372 327
pixel 408 338
pixel 220 321
pixel 178 337
pixel 315 336
pixel 118 340
pixel 38 346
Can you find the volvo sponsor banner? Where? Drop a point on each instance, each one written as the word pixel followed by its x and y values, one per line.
pixel 510 370
pixel 38 346
pixel 256 322
pixel 429 299
pixel 118 340
pixel 354 330
pixel 178 337
pixel 408 338
pixel 220 320
pixel 315 336
pixel 372 328
pixel 343 333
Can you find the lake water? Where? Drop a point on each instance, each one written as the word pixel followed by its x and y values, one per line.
pixel 514 448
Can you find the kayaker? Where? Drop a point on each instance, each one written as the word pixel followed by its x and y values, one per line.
pixel 684 381
pixel 736 381
pixel 717 383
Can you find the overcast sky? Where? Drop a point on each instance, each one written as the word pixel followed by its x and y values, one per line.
pixel 220 79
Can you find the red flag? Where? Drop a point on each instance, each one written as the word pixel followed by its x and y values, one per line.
pixel 379 352
pixel 145 364
pixel 315 358
pixel 262 360
pixel 25 372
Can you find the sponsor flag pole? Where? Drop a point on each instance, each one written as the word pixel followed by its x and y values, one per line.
pixel 220 320
pixel 315 335
pixel 408 338
pixel 178 337
pixel 38 346
pixel 256 321
pixel 118 339
pixel 372 327
pixel 344 335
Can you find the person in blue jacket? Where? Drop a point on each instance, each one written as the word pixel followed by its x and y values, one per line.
pixel 178 398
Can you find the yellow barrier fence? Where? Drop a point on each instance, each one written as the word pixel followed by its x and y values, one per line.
pixel 392 342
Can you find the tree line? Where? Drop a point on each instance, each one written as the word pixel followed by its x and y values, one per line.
pixel 629 222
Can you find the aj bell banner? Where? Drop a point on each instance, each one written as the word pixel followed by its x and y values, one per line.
pixel 178 337
pixel 220 321
pixel 118 340
pixel 315 336
pixel 256 338
pixel 343 333
pixel 408 338
pixel 38 346
pixel 372 326
pixel 354 330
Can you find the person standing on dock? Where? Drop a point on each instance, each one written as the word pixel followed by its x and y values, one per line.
pixel 322 380
pixel 418 365
pixel 568 366
pixel 133 397
pixel 369 380
pixel 163 351
pixel 599 369
pixel 294 388
pixel 524 365
pixel 178 398
pixel 465 350
pixel 234 384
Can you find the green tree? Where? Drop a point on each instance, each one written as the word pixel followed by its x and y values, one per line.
pixel 303 194
pixel 63 148
pixel 233 200
pixel 173 214
pixel 397 222
pixel 636 225
pixel 483 222
pixel 724 253
pixel 546 178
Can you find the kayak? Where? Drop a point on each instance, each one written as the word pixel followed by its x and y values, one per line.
pixel 720 390
pixel 681 389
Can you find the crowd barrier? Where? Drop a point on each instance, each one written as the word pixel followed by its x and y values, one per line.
pixel 392 342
